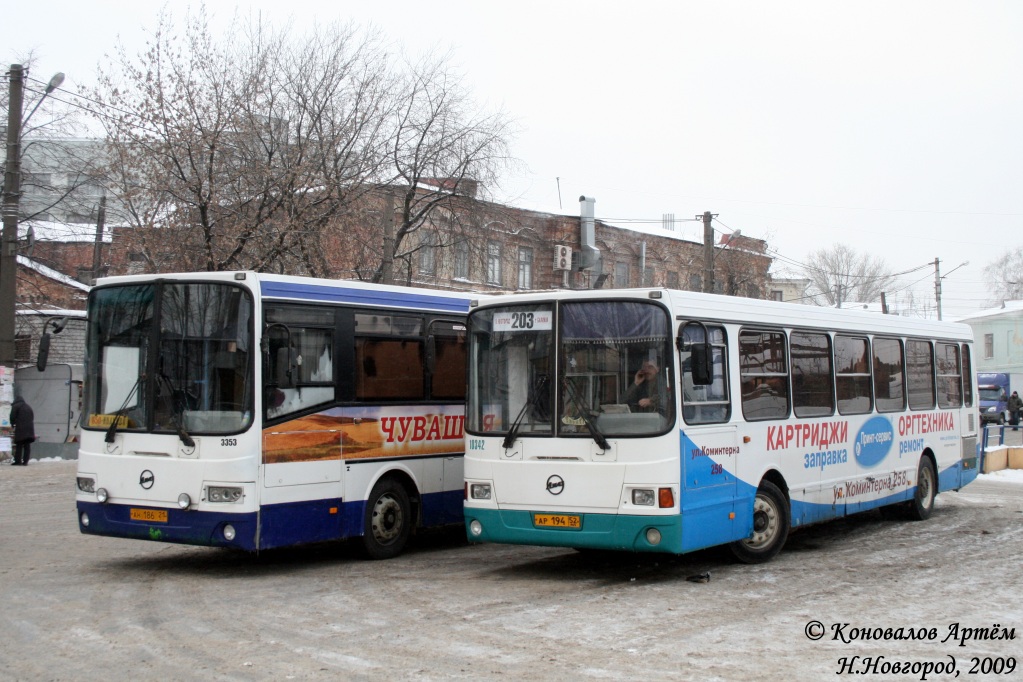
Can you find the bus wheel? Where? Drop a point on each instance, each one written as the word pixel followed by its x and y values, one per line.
pixel 770 526
pixel 388 520
pixel 922 504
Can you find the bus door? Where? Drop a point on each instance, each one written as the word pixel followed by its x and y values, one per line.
pixel 302 456
pixel 709 458
pixel 709 444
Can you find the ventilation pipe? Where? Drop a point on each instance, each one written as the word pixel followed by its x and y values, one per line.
pixel 589 255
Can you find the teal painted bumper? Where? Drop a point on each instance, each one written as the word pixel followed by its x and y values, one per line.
pixel 597 531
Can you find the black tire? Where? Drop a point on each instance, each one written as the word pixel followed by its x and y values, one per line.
pixel 921 506
pixel 388 521
pixel 893 512
pixel 771 523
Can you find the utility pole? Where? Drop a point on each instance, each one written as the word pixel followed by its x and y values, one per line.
pixel 387 276
pixel 937 285
pixel 12 196
pixel 708 251
pixel 101 215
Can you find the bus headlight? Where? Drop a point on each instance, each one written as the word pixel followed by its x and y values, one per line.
pixel 102 496
pixel 87 484
pixel 643 497
pixel 481 491
pixel 475 528
pixel 223 493
pixel 184 501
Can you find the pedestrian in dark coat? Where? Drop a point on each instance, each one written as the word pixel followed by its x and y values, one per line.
pixel 23 421
pixel 1014 406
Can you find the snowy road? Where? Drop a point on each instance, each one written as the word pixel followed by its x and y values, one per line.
pixel 85 608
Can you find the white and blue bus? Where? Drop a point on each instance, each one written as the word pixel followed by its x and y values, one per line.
pixel 669 421
pixel 256 411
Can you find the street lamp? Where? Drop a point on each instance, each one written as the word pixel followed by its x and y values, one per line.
pixel 11 201
pixel 54 83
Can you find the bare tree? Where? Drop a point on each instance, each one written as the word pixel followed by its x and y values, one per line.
pixel 1004 277
pixel 273 152
pixel 234 152
pixel 441 149
pixel 840 273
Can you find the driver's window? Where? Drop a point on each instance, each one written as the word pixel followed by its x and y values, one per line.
pixel 705 404
pixel 301 358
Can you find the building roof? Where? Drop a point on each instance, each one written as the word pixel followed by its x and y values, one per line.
pixel 1012 308
pixel 55 231
pixel 52 274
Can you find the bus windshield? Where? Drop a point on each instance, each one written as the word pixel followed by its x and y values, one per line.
pixel 613 374
pixel 169 357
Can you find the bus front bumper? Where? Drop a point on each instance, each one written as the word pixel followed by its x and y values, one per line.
pixel 169 525
pixel 595 531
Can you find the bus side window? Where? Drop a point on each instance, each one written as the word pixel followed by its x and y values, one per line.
pixel 390 357
pixel 950 383
pixel 764 375
pixel 967 377
pixel 920 375
pixel 447 366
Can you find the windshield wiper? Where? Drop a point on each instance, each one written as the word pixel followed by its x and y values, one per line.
pixel 512 434
pixel 509 439
pixel 179 414
pixel 598 437
pixel 112 429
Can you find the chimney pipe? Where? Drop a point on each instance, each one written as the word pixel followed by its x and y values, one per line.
pixel 589 254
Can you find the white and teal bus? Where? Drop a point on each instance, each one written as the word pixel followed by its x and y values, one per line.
pixel 670 421
pixel 255 411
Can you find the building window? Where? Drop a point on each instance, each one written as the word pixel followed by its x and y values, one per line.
pixel 525 267
pixel 695 283
pixel 777 295
pixel 427 253
pixel 989 346
pixel 648 277
pixel 621 275
pixel 23 348
pixel 493 263
pixel 36 183
pixel 672 280
pixel 462 260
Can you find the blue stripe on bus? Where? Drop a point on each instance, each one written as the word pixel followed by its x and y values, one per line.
pixel 703 521
pixel 368 297
pixel 184 527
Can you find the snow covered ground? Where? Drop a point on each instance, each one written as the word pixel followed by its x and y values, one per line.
pixel 85 608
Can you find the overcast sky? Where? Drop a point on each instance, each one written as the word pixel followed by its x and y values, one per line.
pixel 888 126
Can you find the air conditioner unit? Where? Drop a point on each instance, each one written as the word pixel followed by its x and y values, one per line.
pixel 562 258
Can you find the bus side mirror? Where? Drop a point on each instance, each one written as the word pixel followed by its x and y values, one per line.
pixel 44 351
pixel 285 369
pixel 44 341
pixel 700 356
